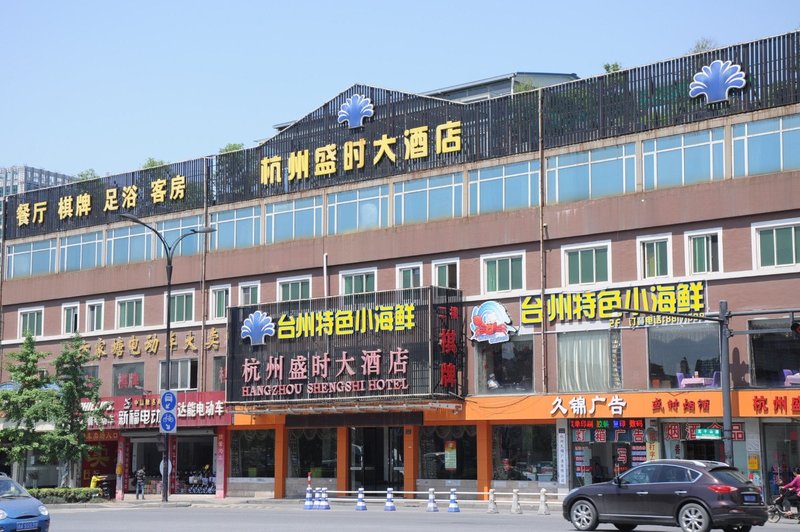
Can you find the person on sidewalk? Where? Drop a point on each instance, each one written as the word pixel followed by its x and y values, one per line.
pixel 140 476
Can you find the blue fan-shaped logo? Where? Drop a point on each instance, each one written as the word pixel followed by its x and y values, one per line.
pixel 490 323
pixel 257 327
pixel 716 80
pixel 355 110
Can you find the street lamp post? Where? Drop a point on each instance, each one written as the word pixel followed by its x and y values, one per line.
pixel 169 251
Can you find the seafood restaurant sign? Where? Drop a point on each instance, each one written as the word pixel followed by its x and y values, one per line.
pixel 386 344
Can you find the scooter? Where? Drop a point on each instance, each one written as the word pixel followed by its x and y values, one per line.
pixel 777 509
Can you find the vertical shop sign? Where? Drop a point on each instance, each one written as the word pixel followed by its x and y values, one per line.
pixel 561 449
pixel 450 455
pixel 219 470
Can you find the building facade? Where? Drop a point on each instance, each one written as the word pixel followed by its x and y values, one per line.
pixel 21 178
pixel 411 292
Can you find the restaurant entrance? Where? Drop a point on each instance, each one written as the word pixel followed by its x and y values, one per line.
pixel 376 458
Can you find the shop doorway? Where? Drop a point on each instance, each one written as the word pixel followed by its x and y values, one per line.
pixel 703 450
pixel 376 458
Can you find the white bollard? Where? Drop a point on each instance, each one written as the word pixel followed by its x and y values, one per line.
pixel 361 505
pixel 453 502
pixel 317 499
pixel 492 504
pixel 389 506
pixel 309 504
pixel 543 508
pixel 325 505
pixel 515 507
pixel 432 507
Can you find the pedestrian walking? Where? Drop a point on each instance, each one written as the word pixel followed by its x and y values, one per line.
pixel 140 476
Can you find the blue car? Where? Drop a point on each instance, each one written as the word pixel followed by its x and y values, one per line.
pixel 20 511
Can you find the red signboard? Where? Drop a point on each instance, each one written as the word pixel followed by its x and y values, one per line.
pixel 195 409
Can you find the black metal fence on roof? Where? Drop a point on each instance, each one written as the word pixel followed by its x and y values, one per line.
pixel 620 103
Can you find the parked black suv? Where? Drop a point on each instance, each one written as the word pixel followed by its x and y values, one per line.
pixel 692 494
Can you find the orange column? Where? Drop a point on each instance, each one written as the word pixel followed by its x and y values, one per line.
pixel 410 458
pixel 484 443
pixel 342 458
pixel 281 460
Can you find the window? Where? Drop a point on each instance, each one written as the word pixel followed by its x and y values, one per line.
pixel 172 230
pixel 703 254
pixel 764 146
pixel 773 352
pixel 589 361
pixel 182 374
pixel 431 198
pixel 591 174
pixel 238 228
pixel 435 464
pixel 358 210
pixel 445 273
pixel 685 159
pixel 94 316
pixel 32 258
pixel 529 449
pixel 409 276
pixel 778 244
pixel 357 282
pixel 294 219
pixel 505 367
pixel 681 351
pixel 654 256
pixel 294 289
pixel 31 322
pixel 182 307
pixel 128 244
pixel 248 293
pixel 128 379
pixel 252 453
pixel 220 301
pixel 82 252
pixel 129 312
pixel 504 188
pixel 502 273
pixel 587 264
pixel 69 314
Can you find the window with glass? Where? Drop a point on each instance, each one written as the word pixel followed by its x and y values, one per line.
pixel 172 230
pixel 128 244
pixel 586 265
pixel 129 313
pixel 358 287
pixel 69 319
pixel 504 188
pixel 445 273
pixel 94 316
pixel 253 453
pixel 294 289
pixel 249 294
pixel 220 374
pixel 220 301
pixel 684 356
pixel 312 450
pixel 764 146
pixel 684 159
pixel 427 199
pixel 448 452
pixel 358 210
pixel 505 368
pixel 294 220
pixel 409 276
pixel 654 257
pixel 237 228
pixel 92 374
pixel 31 321
pixel 524 452
pixel 182 374
pixel 82 252
pixel 773 354
pixel 31 258
pixel 589 361
pixel 128 379
pixel 182 307
pixel 591 174
pixel 502 274
pixel 703 252
pixel 778 244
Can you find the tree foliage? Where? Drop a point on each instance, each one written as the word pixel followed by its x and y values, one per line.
pixel 153 163
pixel 612 67
pixel 231 147
pixel 703 44
pixel 87 174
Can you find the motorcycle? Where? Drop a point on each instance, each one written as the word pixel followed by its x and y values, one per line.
pixel 777 509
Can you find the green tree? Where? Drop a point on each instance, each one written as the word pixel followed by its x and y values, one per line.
pixel 703 44
pixel 87 174
pixel 153 163
pixel 612 67
pixel 231 147
pixel 70 418
pixel 27 407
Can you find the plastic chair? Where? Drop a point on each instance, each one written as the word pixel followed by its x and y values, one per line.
pixel 716 379
pixel 679 376
pixel 787 372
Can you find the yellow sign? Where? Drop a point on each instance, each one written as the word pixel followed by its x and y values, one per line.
pixel 344 322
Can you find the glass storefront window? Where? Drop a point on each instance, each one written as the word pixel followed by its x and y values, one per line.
pixel 312 450
pixel 448 452
pixel 506 367
pixel 589 361
pixel 524 452
pixel 253 453
pixel 774 353
pixel 681 352
pixel 780 441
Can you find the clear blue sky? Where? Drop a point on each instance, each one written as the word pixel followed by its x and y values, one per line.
pixel 105 84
